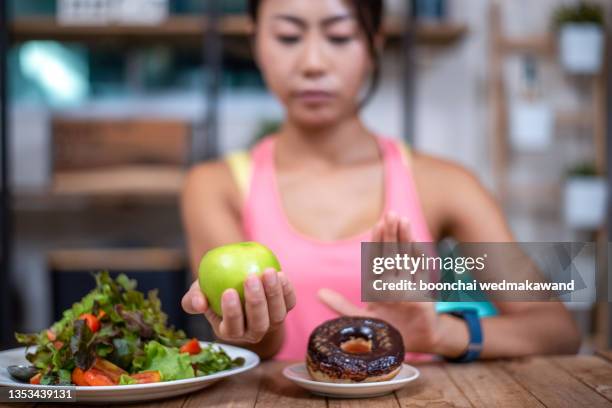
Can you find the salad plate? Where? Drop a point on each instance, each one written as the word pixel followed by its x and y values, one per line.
pixel 135 392
pixel 115 345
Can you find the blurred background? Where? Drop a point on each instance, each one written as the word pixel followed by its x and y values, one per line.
pixel 108 102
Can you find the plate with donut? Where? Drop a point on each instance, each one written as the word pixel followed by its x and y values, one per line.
pixel 353 357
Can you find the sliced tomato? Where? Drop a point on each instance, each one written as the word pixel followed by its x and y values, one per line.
pixel 51 335
pixel 147 377
pixel 92 321
pixel 78 377
pixel 58 344
pixel 109 369
pixel 95 377
pixel 36 379
pixel 191 347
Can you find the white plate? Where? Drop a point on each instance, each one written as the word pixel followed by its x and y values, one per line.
pixel 136 392
pixel 298 373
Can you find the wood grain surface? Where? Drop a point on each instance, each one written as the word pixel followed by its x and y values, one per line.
pixel 558 381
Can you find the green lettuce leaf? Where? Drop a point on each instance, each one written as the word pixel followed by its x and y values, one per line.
pixel 124 349
pixel 213 359
pixel 126 380
pixel 60 377
pixel 172 364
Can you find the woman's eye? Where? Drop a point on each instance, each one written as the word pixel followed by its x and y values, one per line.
pixel 288 39
pixel 340 39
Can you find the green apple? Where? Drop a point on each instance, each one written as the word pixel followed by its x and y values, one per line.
pixel 229 266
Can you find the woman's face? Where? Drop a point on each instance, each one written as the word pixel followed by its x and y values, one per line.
pixel 314 57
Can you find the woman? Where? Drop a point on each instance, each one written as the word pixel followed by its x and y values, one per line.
pixel 324 183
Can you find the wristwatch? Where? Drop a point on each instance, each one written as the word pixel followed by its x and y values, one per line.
pixel 472 320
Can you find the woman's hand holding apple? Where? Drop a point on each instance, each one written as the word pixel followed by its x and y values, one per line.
pixel 267 301
pixel 234 275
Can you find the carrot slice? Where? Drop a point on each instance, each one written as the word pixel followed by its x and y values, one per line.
pixel 95 377
pixel 109 369
pixel 78 377
pixel 147 377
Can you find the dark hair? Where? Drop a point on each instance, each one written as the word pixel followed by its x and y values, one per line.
pixel 370 17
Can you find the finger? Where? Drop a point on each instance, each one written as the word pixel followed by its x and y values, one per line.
pixel 339 303
pixel 404 239
pixel 274 294
pixel 232 325
pixel 288 292
pixel 256 308
pixel 404 230
pixel 390 237
pixel 194 302
pixel 377 232
pixel 426 274
pixel 213 319
pixel 390 233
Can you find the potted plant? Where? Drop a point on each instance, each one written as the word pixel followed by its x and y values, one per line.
pixel 531 115
pixel 585 197
pixel 429 11
pixel 581 37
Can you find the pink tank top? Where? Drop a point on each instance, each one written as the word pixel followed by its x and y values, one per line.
pixel 311 264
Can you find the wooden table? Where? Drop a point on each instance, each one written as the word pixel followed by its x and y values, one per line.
pixel 565 381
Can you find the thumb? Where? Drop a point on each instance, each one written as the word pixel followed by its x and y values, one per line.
pixel 194 302
pixel 338 303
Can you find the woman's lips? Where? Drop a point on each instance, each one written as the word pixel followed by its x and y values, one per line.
pixel 314 96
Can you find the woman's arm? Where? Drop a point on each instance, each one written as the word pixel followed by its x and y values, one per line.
pixel 211 217
pixel 470 214
pixel 457 204
pixel 522 328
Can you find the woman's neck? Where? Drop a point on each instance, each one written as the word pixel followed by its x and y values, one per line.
pixel 347 142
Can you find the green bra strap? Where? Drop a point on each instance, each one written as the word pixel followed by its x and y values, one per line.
pixel 404 152
pixel 240 165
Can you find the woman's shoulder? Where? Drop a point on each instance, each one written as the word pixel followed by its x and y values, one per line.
pixel 454 191
pixel 447 184
pixel 213 171
pixel 209 181
pixel 441 171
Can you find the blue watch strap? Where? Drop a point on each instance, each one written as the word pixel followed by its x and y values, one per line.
pixel 472 320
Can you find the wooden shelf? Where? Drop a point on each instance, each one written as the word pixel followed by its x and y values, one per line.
pixel 139 259
pixel 127 184
pixel 124 181
pixel 48 201
pixel 441 34
pixel 193 28
pixel 581 118
pixel 179 27
pixel 535 44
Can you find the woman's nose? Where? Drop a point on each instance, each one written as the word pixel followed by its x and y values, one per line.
pixel 313 58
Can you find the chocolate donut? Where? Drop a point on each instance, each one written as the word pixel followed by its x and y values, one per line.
pixel 354 349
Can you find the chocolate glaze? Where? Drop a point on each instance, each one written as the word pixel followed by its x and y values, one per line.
pixel 325 355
